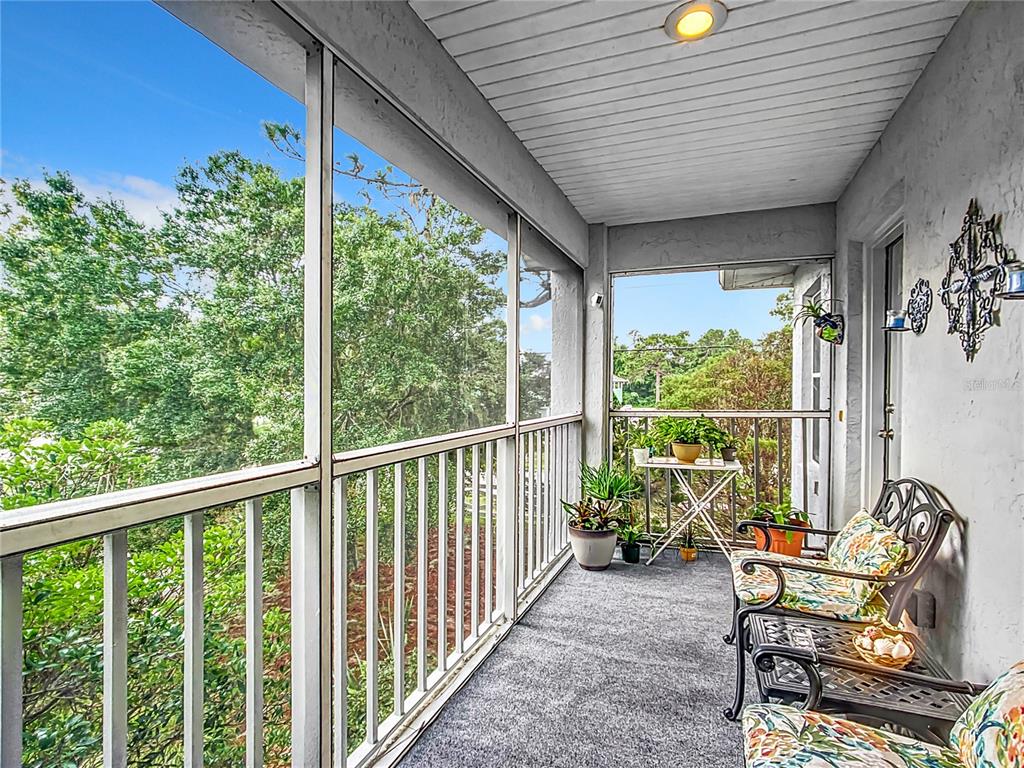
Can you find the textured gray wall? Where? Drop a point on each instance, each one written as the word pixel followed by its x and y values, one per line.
pixel 958 135
pixel 777 233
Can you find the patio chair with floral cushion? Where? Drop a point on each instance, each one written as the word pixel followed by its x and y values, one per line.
pixel 989 734
pixel 873 565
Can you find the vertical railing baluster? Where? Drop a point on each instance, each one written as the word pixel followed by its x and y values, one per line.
pixel 803 451
pixel 520 513
pixel 398 583
pixel 778 459
pixel 421 575
pixel 549 543
pixel 488 533
pixel 11 659
pixel 442 561
pixel 460 549
pixel 530 505
pixel 757 461
pixel 115 650
pixel 372 558
pixel 340 580
pixel 732 484
pixel 254 633
pixel 474 546
pixel 194 640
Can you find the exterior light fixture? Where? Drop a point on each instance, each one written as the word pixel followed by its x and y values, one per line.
pixel 695 20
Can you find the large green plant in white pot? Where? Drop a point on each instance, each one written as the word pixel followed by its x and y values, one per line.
pixel 592 520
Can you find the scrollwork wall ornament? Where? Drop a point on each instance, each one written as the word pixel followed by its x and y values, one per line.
pixel 976 272
pixel 919 305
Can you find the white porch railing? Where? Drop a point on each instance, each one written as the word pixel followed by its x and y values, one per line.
pixel 464 537
pixel 785 455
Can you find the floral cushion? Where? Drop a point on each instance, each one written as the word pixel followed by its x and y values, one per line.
pixel 865 545
pixel 778 736
pixel 990 733
pixel 816 593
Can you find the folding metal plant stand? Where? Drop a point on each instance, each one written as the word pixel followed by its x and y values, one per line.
pixel 699 507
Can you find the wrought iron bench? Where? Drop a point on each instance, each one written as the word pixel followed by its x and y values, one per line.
pixel 990 732
pixel 908 507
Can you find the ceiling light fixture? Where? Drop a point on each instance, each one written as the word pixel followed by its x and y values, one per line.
pixel 695 20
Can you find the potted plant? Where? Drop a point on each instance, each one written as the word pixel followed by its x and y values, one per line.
pixel 688 550
pixel 641 444
pixel 719 441
pixel 686 436
pixel 829 326
pixel 784 542
pixel 592 531
pixel 629 533
pixel 592 519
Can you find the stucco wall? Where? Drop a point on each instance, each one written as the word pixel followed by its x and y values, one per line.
pixel 959 134
pixel 776 233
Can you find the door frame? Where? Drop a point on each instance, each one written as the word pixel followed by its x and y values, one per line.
pixel 875 304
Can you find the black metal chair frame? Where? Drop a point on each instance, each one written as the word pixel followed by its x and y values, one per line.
pixel 908 506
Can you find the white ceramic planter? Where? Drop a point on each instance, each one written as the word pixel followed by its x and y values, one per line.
pixel 640 456
pixel 593 550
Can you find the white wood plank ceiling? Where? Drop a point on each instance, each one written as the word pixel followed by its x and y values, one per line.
pixel 777 108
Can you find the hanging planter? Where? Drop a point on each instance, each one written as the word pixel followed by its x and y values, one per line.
pixel 830 327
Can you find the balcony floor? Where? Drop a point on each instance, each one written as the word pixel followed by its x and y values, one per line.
pixel 625 667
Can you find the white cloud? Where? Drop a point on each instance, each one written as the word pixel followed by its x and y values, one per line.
pixel 536 323
pixel 143 198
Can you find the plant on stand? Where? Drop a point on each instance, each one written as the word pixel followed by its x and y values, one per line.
pixel 783 542
pixel 719 441
pixel 686 436
pixel 641 444
pixel 592 520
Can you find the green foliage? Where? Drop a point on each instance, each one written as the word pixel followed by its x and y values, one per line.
pixel 132 354
pixel 605 483
pixel 694 431
pixel 591 514
pixel 630 530
pixel 688 540
pixel 643 439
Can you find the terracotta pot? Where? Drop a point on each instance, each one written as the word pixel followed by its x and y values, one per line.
pixel 689 554
pixel 593 550
pixel 793 545
pixel 686 452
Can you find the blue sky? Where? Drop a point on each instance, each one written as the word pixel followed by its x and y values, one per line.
pixel 693 301
pixel 122 94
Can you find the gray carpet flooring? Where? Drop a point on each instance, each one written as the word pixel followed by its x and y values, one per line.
pixel 624 667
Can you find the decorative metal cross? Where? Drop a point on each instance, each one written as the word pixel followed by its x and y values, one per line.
pixel 970 305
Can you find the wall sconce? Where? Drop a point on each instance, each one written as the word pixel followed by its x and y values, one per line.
pixel 1014 282
pixel 895 321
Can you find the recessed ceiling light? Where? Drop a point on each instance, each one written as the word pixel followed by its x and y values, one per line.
pixel 695 20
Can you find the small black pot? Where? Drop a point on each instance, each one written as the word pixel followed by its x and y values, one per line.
pixel 728 454
pixel 630 553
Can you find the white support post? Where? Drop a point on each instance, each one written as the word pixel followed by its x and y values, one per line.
pixel 115 650
pixel 11 660
pixel 254 633
pixel 340 582
pixel 442 561
pixel 421 575
pixel 508 470
pixel 311 523
pixel 398 580
pixel 460 550
pixel 372 557
pixel 474 545
pixel 194 640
